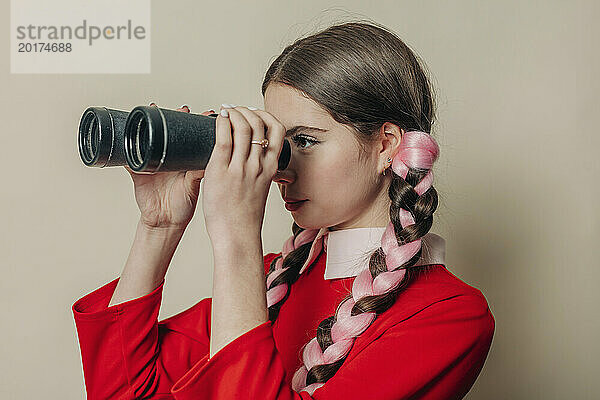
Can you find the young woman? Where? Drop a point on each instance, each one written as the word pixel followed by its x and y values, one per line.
pixel 357 305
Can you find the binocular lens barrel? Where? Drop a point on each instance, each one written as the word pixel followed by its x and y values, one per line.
pixel 151 139
pixel 100 138
pixel 159 139
pixel 138 141
pixel 90 145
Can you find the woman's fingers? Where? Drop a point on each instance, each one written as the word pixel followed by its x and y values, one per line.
pixel 256 152
pixel 276 134
pixel 221 154
pixel 242 135
pixel 247 125
pixel 186 108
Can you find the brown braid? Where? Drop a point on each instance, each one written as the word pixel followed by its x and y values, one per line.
pixel 422 208
pixel 381 80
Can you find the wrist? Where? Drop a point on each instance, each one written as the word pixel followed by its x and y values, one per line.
pixel 237 246
pixel 160 230
pixel 164 238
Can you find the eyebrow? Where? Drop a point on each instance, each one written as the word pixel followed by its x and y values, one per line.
pixel 298 128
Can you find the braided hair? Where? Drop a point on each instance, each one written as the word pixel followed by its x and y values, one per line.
pixel 382 81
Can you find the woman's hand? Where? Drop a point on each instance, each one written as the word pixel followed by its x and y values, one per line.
pixel 238 175
pixel 167 199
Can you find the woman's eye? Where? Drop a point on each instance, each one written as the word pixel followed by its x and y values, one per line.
pixel 299 140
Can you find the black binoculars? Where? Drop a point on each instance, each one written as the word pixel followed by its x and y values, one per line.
pixel 151 139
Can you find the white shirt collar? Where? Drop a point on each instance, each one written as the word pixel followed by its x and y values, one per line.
pixel 348 250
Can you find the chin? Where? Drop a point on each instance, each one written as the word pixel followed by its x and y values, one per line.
pixel 303 222
pixel 306 223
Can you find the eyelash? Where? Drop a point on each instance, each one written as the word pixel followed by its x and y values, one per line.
pixel 297 138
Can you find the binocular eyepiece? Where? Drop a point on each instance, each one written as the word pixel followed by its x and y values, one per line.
pixel 151 139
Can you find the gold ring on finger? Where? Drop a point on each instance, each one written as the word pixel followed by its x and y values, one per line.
pixel 264 143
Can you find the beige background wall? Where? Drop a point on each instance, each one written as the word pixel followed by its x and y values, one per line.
pixel 517 85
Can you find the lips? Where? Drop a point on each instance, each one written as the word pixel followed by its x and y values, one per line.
pixel 292 200
pixel 293 206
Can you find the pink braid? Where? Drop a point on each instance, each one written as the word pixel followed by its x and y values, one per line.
pixel 417 150
pixel 277 293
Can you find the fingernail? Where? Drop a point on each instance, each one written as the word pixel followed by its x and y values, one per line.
pixel 224 113
pixel 225 105
pixel 152 104
pixel 185 105
pixel 252 108
pixel 212 111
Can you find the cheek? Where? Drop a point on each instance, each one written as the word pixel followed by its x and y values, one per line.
pixel 341 179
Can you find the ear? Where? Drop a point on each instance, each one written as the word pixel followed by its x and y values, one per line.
pixel 389 144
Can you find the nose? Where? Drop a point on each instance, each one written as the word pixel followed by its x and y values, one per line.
pixel 284 177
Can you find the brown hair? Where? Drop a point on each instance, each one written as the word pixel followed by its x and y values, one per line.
pixel 363 75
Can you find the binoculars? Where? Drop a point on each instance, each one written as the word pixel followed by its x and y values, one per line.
pixel 151 139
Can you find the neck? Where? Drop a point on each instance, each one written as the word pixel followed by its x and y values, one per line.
pixel 376 215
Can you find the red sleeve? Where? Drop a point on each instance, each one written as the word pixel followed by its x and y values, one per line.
pixel 127 354
pixel 435 354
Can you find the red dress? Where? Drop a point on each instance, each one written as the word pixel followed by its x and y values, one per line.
pixel 431 344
